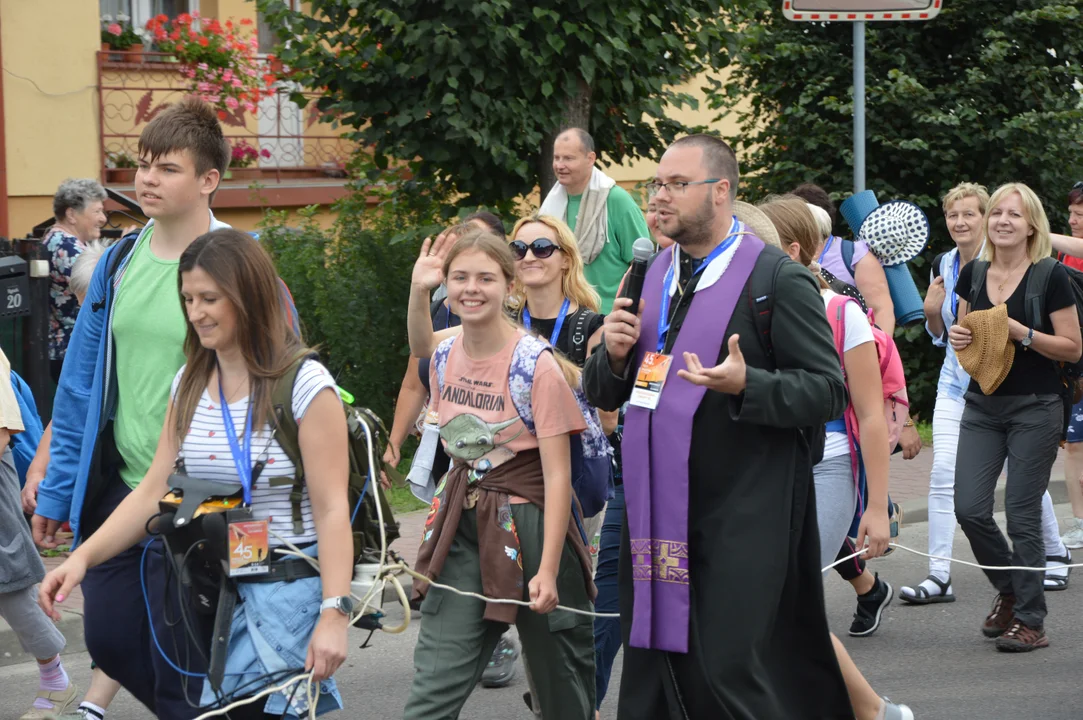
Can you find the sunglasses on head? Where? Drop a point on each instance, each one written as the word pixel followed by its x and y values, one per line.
pixel 542 248
pixel 1078 185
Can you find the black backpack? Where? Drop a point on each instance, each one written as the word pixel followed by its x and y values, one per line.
pixel 761 299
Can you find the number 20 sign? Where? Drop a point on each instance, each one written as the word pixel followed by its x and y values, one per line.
pixel 860 10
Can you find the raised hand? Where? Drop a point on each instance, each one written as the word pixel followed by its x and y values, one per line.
pixel 730 377
pixel 429 268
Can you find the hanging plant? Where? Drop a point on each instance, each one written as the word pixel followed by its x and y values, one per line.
pixel 220 64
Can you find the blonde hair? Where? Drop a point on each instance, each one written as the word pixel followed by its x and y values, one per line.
pixel 964 190
pixel 823 219
pixel 1039 244
pixel 795 224
pixel 573 283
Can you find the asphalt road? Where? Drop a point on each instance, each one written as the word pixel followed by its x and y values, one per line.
pixel 933 658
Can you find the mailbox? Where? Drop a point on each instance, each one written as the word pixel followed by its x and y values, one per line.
pixel 14 287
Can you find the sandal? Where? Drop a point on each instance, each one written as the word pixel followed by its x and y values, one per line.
pixel 922 596
pixel 1053 583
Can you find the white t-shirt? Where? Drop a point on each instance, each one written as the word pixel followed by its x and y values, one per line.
pixel 858 332
pixel 207 455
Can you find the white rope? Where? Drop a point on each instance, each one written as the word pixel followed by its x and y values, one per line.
pixel 954 560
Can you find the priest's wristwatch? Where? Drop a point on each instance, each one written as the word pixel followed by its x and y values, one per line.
pixel 1025 342
pixel 344 604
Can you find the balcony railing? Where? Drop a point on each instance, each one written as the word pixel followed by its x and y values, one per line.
pixel 134 87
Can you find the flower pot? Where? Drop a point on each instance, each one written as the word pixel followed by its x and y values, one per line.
pixel 245 173
pixel 112 56
pixel 120 176
pixel 135 53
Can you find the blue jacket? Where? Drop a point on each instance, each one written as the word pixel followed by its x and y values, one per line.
pixel 86 397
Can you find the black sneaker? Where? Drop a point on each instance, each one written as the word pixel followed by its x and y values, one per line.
pixel 501 668
pixel 870 608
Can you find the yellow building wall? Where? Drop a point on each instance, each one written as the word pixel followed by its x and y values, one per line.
pixel 50 101
pixel 631 173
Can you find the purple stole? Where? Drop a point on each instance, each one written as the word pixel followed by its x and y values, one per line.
pixel 656 454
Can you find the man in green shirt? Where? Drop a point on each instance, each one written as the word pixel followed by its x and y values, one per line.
pixel 605 218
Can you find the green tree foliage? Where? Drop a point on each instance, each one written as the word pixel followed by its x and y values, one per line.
pixel 471 93
pixel 986 92
pixel 351 283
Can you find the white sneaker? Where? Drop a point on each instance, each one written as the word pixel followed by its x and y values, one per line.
pixel 1073 539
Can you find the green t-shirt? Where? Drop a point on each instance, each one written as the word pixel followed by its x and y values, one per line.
pixel 624 223
pixel 148 333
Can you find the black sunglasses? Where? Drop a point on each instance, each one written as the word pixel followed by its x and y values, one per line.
pixel 542 248
pixel 1078 185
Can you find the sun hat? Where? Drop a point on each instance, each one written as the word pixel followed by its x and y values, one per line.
pixel 895 232
pixel 758 222
pixel 989 356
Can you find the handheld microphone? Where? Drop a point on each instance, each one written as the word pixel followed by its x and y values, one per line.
pixel 642 249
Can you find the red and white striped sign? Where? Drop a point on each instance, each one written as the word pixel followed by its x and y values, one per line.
pixel 860 10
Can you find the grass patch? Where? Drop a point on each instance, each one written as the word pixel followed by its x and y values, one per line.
pixel 925 430
pixel 403 501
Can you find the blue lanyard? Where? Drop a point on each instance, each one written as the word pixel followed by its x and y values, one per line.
pixel 663 313
pixel 827 246
pixel 556 327
pixel 954 283
pixel 242 458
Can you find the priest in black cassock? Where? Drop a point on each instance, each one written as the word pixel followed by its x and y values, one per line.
pixel 722 604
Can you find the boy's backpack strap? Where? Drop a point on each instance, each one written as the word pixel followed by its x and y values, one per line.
pixel 977 282
pixel 120 253
pixel 761 298
pixel 287 436
pixel 1037 285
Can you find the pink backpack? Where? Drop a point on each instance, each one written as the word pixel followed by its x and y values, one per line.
pixel 891 375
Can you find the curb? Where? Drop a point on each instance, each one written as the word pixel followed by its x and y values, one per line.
pixel 70 625
pixel 917 510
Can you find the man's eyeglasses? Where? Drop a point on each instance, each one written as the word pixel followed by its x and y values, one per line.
pixel 1078 185
pixel 676 187
pixel 542 248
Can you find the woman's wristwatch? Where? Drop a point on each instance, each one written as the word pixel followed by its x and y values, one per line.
pixel 343 603
pixel 1025 342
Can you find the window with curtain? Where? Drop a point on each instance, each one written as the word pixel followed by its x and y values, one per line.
pixel 142 10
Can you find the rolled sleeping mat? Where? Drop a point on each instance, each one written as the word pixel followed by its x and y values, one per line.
pixel 909 307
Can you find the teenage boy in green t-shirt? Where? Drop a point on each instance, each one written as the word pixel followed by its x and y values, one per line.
pixel 111 402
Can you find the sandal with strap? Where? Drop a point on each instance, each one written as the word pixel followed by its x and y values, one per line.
pixel 1053 583
pixel 922 596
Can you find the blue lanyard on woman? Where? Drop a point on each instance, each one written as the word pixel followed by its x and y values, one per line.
pixel 242 456
pixel 954 283
pixel 827 246
pixel 556 326
pixel 663 313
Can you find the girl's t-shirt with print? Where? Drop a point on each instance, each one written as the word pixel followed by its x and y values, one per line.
pixel 207 453
pixel 479 423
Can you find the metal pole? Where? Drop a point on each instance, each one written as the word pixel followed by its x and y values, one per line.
pixel 859 107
